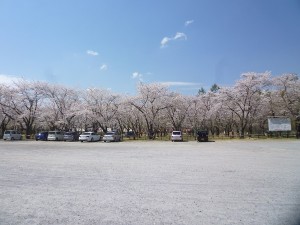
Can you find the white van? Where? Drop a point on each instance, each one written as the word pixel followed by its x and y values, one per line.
pixel 55 136
pixel 12 135
pixel 176 136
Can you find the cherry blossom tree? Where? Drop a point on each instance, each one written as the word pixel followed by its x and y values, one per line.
pixel 177 110
pixel 150 102
pixel 103 106
pixel 22 103
pixel 28 100
pixel 59 108
pixel 6 114
pixel 194 120
pixel 245 98
pixel 130 118
pixel 287 94
pixel 243 107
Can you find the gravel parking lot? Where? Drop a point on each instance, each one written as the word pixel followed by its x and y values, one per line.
pixel 146 182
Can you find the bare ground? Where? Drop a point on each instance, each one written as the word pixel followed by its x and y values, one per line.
pixel 223 182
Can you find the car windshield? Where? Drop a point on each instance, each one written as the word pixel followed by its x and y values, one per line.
pixel 68 133
pixel 51 132
pixel 7 132
pixel 87 133
pixel 110 133
pixel 176 133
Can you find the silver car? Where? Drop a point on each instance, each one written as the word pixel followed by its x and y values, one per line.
pixel 112 136
pixel 176 136
pixel 71 136
pixel 55 136
pixel 12 135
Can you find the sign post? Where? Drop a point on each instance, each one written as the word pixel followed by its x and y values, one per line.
pixel 279 124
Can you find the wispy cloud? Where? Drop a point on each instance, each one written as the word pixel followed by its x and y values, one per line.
pixel 9 79
pixel 180 36
pixel 177 36
pixel 188 22
pixel 137 75
pixel 178 83
pixel 92 53
pixel 103 67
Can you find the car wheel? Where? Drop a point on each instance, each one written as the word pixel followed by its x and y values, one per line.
pixel 92 139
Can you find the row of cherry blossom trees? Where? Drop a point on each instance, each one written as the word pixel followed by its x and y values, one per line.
pixel 242 108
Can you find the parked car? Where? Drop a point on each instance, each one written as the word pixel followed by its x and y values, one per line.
pixel 41 136
pixel 12 135
pixel 89 136
pixel 176 136
pixel 130 134
pixel 202 135
pixel 55 136
pixel 71 136
pixel 112 136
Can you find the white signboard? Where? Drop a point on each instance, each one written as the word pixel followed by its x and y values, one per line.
pixel 279 124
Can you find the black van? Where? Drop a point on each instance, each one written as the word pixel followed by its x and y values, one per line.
pixel 202 135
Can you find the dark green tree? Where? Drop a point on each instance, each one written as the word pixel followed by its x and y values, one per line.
pixel 214 88
pixel 201 91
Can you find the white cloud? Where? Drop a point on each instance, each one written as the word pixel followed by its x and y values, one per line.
pixel 165 41
pixel 103 67
pixel 9 79
pixel 180 36
pixel 137 75
pixel 177 36
pixel 92 53
pixel 187 23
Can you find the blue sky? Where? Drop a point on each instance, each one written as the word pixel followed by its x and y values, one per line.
pixel 114 44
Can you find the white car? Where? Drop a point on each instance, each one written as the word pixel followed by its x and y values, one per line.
pixel 112 136
pixel 12 135
pixel 176 136
pixel 89 136
pixel 55 136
